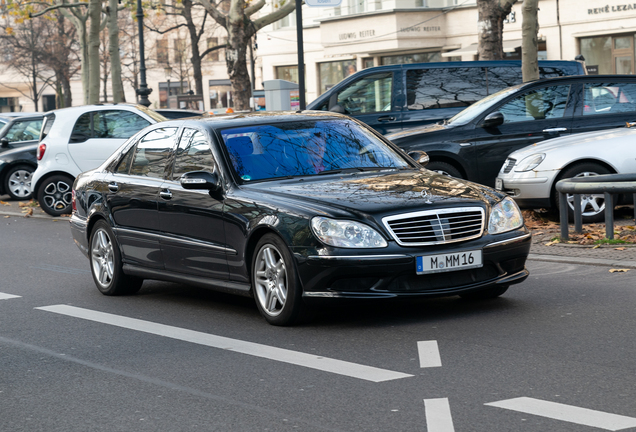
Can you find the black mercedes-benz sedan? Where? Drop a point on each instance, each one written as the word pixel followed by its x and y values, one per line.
pixel 290 208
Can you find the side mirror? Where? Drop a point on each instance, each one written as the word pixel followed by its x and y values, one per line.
pixel 492 120
pixel 201 180
pixel 337 108
pixel 420 157
pixel 78 137
pixel 4 142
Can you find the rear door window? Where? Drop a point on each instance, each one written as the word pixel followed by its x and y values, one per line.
pixel 538 104
pixel 117 124
pixel 444 87
pixel 609 98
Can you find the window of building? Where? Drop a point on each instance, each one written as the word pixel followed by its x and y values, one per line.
pixel 162 51
pixel 180 51
pixel 287 73
pixel 167 89
pixel 220 94
pixel 610 54
pixel 367 62
pixel 286 21
pixel 412 58
pixel 9 104
pixel 214 55
pixel 331 73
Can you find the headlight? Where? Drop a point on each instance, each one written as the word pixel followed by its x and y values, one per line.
pixel 530 163
pixel 345 233
pixel 504 216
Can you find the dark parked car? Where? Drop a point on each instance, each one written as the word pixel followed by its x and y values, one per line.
pixel 290 208
pixel 174 113
pixel 398 97
pixel 18 143
pixel 475 143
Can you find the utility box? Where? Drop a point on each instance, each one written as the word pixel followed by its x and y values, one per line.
pixel 281 95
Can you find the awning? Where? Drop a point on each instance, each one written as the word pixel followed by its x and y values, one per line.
pixel 508 46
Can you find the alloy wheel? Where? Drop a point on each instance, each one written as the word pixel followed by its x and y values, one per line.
pixel 102 258
pixel 591 204
pixel 58 195
pixel 19 183
pixel 271 279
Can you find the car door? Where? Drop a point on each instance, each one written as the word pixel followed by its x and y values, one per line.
pixel 537 114
pixel 193 240
pixel 97 134
pixel 371 100
pixel 20 133
pixel 605 104
pixel 132 194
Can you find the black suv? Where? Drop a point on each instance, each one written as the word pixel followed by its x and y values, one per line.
pixel 474 144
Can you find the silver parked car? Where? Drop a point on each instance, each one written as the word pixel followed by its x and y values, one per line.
pixel 530 174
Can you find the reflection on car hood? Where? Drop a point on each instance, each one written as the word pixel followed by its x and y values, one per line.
pixel 577 140
pixel 8 151
pixel 416 131
pixel 408 190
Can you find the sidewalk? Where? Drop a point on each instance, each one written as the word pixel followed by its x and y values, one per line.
pixel 614 256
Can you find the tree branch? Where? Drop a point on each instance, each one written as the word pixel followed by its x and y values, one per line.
pixel 252 9
pixel 59 6
pixel 212 49
pixel 278 14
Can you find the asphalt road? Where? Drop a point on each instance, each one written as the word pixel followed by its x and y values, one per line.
pixel 556 353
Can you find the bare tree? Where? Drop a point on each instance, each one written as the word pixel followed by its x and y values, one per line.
pixel 490 27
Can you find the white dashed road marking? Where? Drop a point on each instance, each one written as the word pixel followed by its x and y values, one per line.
pixel 4 296
pixel 438 415
pixel 429 354
pixel 568 413
pixel 325 364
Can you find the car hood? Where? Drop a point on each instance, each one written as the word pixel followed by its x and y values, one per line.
pixel 573 144
pixel 397 136
pixel 379 193
pixel 11 152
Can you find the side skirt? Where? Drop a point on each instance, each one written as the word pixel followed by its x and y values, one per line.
pixel 203 282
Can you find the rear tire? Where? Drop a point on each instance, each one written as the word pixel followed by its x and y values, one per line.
pixel 106 263
pixel 485 294
pixel 444 168
pixel 275 284
pixel 17 182
pixel 55 195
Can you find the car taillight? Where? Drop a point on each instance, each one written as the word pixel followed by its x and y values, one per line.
pixel 73 205
pixel 41 150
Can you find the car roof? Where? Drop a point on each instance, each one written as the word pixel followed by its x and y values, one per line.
pixel 22 116
pixel 95 107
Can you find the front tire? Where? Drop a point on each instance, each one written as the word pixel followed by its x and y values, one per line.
pixel 593 205
pixel 106 263
pixel 17 182
pixel 275 283
pixel 55 195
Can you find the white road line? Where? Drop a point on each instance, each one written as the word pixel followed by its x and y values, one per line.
pixel 429 354
pixel 279 354
pixel 438 415
pixel 568 413
pixel 4 296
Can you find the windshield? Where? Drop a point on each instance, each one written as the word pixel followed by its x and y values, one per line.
pixel 306 148
pixel 480 106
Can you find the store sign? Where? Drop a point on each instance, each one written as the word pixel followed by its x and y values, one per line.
pixel 355 35
pixel 320 3
pixel 420 29
pixel 608 9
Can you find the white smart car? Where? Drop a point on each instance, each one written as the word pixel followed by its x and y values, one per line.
pixel 78 139
pixel 530 174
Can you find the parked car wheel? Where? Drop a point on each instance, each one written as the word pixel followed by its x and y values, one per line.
pixel 17 182
pixel 444 168
pixel 275 283
pixel 488 293
pixel 55 195
pixel 593 205
pixel 106 263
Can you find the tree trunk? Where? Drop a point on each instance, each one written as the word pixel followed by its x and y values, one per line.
pixel 235 55
pixel 490 27
pixel 194 46
pixel 529 43
pixel 113 50
pixel 95 12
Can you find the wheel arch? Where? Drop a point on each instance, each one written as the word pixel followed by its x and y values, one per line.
pixel 553 192
pixel 449 159
pixel 250 247
pixel 51 174
pixel 5 170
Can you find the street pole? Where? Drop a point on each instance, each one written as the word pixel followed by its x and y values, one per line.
pixel 301 55
pixel 143 91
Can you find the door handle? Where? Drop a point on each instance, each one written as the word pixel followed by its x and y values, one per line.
pixel 555 130
pixel 386 119
pixel 165 194
pixel 113 187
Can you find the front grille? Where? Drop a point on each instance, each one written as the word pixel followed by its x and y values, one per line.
pixel 436 226
pixel 508 165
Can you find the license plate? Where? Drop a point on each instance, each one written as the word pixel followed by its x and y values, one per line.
pixel 499 184
pixel 448 262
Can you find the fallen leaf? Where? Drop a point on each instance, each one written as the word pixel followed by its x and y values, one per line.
pixel 620 248
pixel 553 242
pixel 4 203
pixel 572 242
pixel 22 204
pixel 619 270
pixel 7 216
pixel 597 246
pixel 28 213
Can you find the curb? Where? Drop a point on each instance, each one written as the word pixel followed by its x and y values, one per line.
pixel 583 261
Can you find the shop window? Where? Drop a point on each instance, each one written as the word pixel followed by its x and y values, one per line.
pixel 367 63
pixel 609 98
pixel 444 87
pixel 287 73
pixel 610 54
pixel 221 95
pixel 412 58
pixel 331 73
pixel 167 89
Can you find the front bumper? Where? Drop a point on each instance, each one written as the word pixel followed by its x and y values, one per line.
pixel 394 274
pixel 529 189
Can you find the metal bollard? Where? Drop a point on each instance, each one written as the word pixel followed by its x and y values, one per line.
pixel 563 215
pixel 609 215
